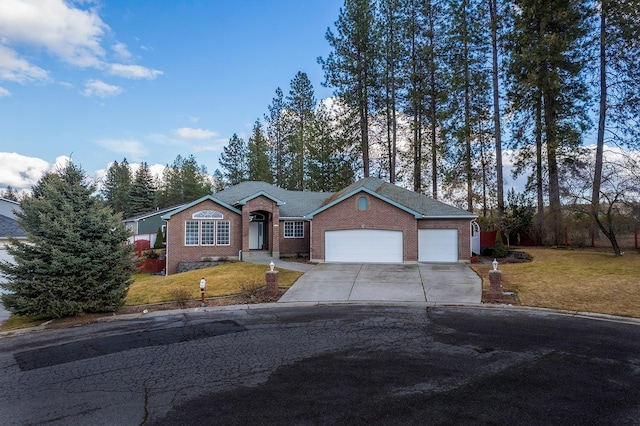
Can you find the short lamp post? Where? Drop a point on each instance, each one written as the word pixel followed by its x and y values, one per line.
pixel 272 280
pixel 495 281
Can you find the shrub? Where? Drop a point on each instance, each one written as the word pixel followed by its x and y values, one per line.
pixel 499 250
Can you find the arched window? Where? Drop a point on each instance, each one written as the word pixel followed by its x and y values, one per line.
pixel 207 214
pixel 362 203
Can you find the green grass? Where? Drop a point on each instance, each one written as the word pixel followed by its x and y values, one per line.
pixel 223 280
pixel 16 322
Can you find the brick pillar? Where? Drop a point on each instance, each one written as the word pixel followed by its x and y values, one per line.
pixel 495 286
pixel 272 283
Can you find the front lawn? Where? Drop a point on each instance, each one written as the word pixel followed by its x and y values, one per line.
pixel 222 280
pixel 574 280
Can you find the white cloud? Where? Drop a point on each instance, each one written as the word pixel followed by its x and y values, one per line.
pixel 4 92
pixel 69 31
pixel 71 34
pixel 193 119
pixel 134 71
pixel 22 172
pixel 191 133
pixel 129 148
pixel 13 68
pixel 121 51
pixel 202 148
pixel 101 89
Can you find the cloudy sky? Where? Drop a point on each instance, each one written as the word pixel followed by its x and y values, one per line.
pixel 101 80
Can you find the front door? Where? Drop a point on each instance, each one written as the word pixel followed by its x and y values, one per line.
pixel 256 235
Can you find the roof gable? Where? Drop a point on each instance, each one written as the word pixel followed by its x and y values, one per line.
pixel 198 201
pixel 292 204
pixel 420 205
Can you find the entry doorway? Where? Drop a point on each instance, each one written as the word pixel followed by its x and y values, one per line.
pixel 256 235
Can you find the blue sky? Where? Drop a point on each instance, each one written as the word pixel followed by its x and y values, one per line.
pixel 98 81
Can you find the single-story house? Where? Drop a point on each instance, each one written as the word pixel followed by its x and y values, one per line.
pixel 9 226
pixel 145 226
pixel 368 221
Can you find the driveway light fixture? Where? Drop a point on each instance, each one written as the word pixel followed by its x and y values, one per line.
pixel 495 264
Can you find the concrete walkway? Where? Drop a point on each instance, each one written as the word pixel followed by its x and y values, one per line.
pixel 453 283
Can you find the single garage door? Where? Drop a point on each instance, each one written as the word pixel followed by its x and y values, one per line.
pixel 438 245
pixel 363 245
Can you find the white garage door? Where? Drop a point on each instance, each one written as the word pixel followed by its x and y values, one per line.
pixel 438 245
pixel 363 245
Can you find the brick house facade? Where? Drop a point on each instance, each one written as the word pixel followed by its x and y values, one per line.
pixel 370 220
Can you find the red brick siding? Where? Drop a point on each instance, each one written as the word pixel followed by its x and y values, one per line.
pixel 379 215
pixel 464 233
pixel 294 246
pixel 176 250
pixel 272 225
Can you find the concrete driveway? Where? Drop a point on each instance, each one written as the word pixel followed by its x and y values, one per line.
pixel 451 283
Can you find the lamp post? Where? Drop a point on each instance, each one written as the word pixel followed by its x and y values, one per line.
pixel 495 264
pixel 271 266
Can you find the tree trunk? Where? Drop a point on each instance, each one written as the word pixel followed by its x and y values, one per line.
pixel 496 109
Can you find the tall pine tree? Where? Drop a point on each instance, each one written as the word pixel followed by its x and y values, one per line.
pixel 142 194
pixel 258 155
pixel 233 161
pixel 351 67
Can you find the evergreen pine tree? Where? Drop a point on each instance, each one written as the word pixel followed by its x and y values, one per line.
pixel 300 104
pixel 233 161
pixel 9 194
pixel 351 67
pixel 75 258
pixel 142 194
pixel 258 155
pixel 277 136
pixel 116 186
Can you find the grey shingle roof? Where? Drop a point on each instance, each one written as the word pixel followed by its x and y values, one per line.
pixel 296 203
pixel 9 228
pixel 421 204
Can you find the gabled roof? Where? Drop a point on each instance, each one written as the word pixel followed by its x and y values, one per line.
pixel 419 205
pixel 295 204
pixel 198 201
pixel 9 228
pixel 151 213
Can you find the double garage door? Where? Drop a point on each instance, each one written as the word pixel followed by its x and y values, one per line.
pixel 383 246
pixel 363 245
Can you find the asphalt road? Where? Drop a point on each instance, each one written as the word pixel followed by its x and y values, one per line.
pixel 372 365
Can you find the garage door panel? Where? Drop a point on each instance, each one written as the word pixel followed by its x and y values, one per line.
pixel 363 245
pixel 438 245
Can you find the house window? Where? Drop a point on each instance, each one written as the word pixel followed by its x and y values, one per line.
pixel 362 203
pixel 207 232
pixel 207 214
pixel 191 231
pixel 222 236
pixel 294 229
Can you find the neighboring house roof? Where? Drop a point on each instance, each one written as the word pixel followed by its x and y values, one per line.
pixel 151 213
pixel 421 206
pixel 9 228
pixel 295 204
pixel 7 207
